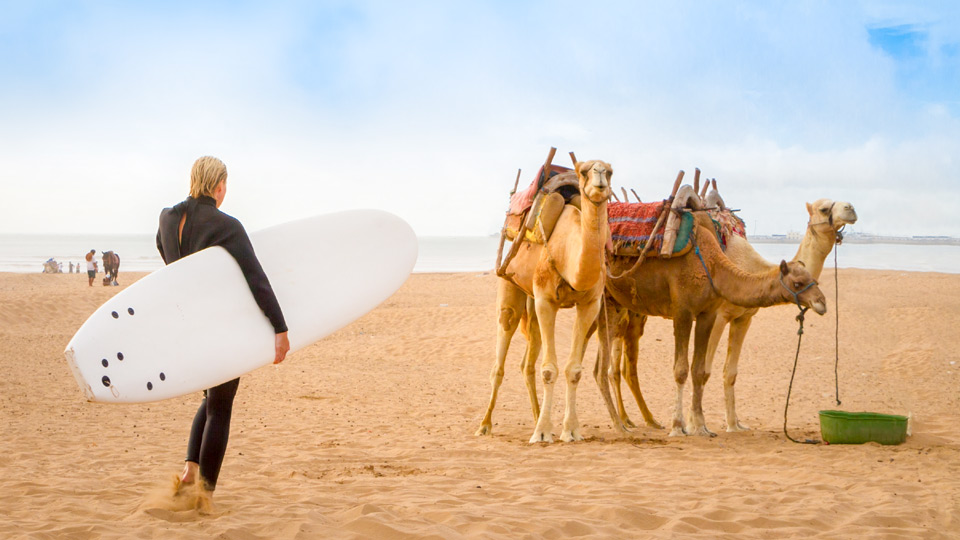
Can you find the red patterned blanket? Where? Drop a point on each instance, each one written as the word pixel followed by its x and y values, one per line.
pixel 632 223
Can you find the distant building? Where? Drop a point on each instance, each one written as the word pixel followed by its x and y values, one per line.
pixel 794 235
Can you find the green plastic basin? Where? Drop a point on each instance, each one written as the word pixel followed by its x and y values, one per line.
pixel 841 427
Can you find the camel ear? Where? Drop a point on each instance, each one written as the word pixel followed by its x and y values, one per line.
pixel 810 209
pixel 784 269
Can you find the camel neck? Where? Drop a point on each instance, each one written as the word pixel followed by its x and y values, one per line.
pixel 593 235
pixel 733 284
pixel 814 248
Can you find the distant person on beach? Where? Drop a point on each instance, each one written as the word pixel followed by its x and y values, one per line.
pixel 71 267
pixel 186 228
pixel 91 267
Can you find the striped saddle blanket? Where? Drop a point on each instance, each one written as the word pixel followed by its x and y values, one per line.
pixel 631 227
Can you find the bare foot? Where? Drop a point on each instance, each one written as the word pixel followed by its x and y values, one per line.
pixel 190 472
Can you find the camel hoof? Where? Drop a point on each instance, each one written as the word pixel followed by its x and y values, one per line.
pixel 627 422
pixel 653 424
pixel 702 431
pixel 678 432
pixel 484 430
pixel 737 428
pixel 571 436
pixel 541 437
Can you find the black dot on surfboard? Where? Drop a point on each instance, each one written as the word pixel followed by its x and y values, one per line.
pixel 163 377
pixel 106 381
pixel 149 386
pixel 119 356
pixel 130 310
pixel 104 362
pixel 115 315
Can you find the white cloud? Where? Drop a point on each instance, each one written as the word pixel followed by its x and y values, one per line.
pixel 429 111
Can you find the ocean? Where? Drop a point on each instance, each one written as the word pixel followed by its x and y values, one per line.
pixel 138 253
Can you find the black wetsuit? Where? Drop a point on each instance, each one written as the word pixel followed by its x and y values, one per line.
pixel 206 226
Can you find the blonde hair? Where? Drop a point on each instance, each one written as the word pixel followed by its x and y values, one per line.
pixel 206 175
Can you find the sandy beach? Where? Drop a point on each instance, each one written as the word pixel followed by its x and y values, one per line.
pixel 369 433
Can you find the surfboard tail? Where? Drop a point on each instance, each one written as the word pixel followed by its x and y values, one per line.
pixel 72 362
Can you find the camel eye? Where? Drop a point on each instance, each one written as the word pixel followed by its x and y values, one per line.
pixel 824 210
pixel 797 285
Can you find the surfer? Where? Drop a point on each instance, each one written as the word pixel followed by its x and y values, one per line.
pixel 186 228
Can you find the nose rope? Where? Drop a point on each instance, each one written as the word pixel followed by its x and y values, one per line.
pixel 796 358
pixel 836 310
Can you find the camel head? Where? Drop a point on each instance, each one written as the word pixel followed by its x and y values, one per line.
pixel 594 177
pixel 828 216
pixel 799 287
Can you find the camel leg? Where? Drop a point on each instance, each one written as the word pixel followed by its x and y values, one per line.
pixel 510 303
pixel 738 332
pixel 714 342
pixel 616 371
pixel 601 369
pixel 547 314
pixel 619 366
pixel 529 366
pixel 573 370
pixel 616 319
pixel 682 324
pixel 698 425
pixel 631 354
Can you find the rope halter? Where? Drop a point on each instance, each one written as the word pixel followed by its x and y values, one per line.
pixel 796 295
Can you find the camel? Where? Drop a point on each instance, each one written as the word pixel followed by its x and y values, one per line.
pixel 567 271
pixel 692 288
pixel 827 217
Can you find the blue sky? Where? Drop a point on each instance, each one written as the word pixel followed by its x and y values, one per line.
pixel 427 109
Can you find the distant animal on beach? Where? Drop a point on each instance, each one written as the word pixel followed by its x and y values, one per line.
pixel 111 268
pixel 567 270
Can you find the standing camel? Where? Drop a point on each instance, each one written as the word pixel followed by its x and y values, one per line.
pixel 691 288
pixel 827 217
pixel 567 271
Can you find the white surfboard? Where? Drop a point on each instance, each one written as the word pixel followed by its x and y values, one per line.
pixel 194 324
